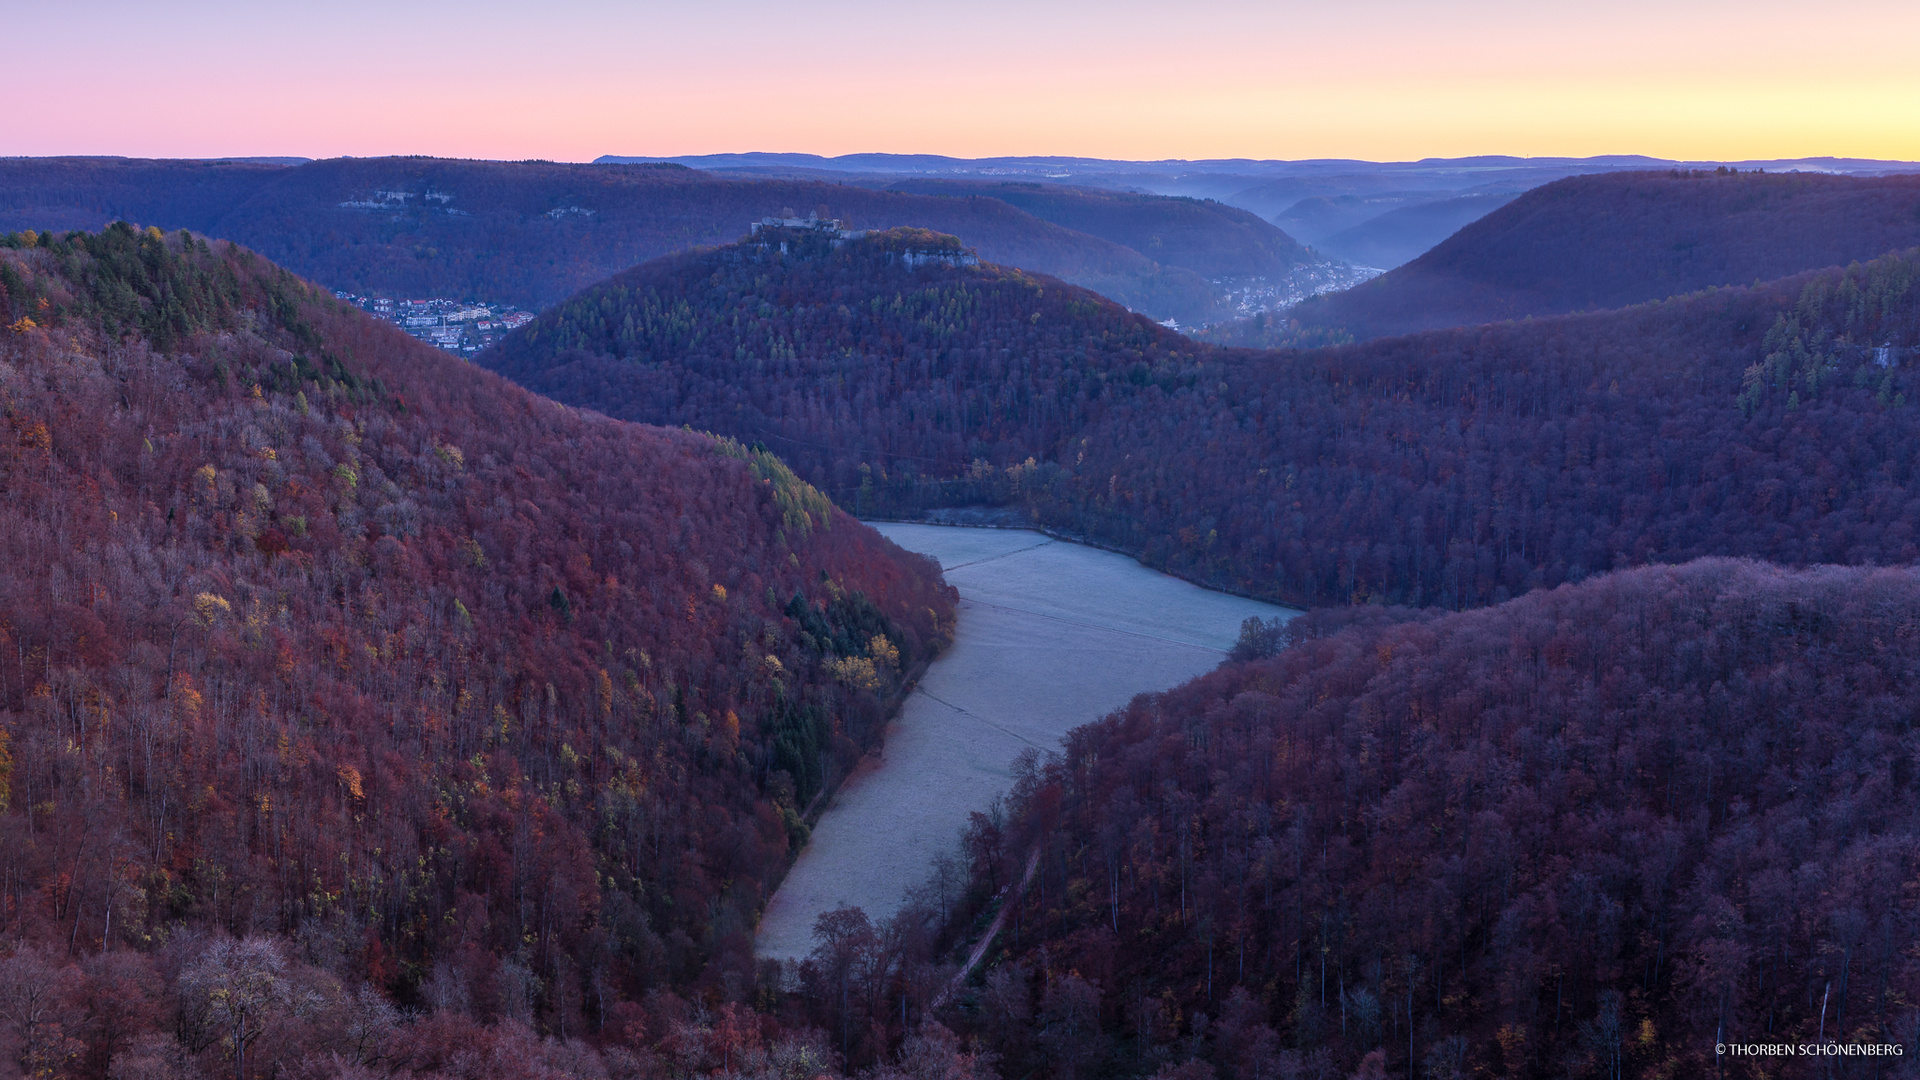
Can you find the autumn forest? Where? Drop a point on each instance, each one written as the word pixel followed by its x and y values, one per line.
pixel 367 712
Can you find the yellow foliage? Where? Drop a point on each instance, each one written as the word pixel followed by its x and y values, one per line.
pixel 720 593
pixel 884 652
pixel 1513 1041
pixel 210 607
pixel 350 777
pixel 801 505
pixel 856 671
pixel 22 325
pixel 206 474
pixel 188 697
pixel 33 434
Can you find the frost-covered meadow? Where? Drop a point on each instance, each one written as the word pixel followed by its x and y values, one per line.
pixel 1051 636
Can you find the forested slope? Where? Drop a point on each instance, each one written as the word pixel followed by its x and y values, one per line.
pixel 532 233
pixel 1450 468
pixel 1590 832
pixel 1605 241
pixel 399 675
pixel 87 192
pixel 1209 238
pixel 1466 466
pixel 886 352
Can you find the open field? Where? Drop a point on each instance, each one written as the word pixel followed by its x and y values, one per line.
pixel 1051 636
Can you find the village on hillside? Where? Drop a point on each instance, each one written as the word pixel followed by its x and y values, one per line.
pixel 458 327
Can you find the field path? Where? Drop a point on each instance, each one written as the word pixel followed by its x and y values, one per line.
pixel 1051 635
pixel 979 950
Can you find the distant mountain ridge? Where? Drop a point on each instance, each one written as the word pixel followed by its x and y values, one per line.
pixel 1404 232
pixel 1276 190
pixel 520 232
pixel 1597 242
pixel 937 163
pixel 531 233
pixel 1211 239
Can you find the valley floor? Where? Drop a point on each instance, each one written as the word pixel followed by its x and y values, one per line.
pixel 1051 635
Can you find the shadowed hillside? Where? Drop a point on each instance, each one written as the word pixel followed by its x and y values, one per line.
pixel 88 192
pixel 413 680
pixel 1450 468
pixel 532 233
pixel 1209 238
pixel 1589 832
pixel 888 352
pixel 1405 233
pixel 1593 242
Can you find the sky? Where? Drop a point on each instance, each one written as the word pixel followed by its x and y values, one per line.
pixel 570 80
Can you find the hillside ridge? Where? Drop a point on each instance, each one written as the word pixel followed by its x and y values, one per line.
pixel 532 233
pixel 1607 241
pixel 1452 467
pixel 1556 834
pixel 399 675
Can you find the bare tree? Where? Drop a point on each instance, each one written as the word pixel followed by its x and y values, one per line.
pixel 243 985
pixel 1070 1023
pixel 33 991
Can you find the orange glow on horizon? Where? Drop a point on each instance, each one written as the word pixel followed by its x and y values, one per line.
pixel 1371 79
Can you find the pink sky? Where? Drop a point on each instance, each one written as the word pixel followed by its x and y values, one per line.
pixel 1378 79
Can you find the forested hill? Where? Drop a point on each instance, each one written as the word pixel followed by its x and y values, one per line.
pixel 1450 468
pixel 86 193
pixel 533 233
pixel 894 352
pixel 503 710
pixel 1588 832
pixel 1606 241
pixel 1210 238
pixel 1463 467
